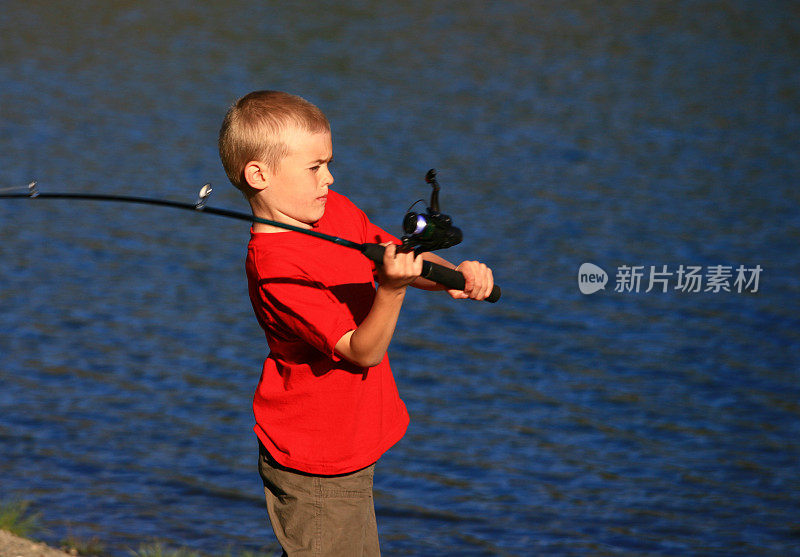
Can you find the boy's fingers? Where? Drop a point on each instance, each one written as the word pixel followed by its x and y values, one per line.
pixel 489 283
pixel 478 281
pixel 401 265
pixel 389 253
pixel 414 263
pixel 463 268
pixel 411 261
pixel 467 268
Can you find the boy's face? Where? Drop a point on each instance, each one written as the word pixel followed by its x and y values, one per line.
pixel 298 189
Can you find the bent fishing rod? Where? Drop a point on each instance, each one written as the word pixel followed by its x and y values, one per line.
pixel 424 231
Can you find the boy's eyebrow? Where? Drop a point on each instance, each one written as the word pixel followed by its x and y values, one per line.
pixel 320 161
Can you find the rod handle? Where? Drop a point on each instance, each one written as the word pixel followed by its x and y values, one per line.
pixel 450 278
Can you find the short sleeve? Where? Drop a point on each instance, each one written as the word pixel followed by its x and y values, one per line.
pixel 379 235
pixel 302 309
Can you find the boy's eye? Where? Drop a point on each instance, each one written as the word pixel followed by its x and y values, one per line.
pixel 318 166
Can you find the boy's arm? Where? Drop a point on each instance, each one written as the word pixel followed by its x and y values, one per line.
pixel 477 277
pixel 367 345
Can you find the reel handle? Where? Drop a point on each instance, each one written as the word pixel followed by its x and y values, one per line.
pixel 450 278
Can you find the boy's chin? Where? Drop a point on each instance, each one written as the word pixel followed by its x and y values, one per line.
pixel 314 220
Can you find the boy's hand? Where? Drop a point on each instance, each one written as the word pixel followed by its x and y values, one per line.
pixel 398 269
pixel 478 281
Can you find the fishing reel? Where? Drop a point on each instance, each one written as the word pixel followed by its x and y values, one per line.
pixel 431 230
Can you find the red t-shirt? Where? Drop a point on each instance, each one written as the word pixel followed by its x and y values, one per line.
pixel 315 411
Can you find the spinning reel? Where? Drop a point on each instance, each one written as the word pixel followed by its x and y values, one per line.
pixel 431 230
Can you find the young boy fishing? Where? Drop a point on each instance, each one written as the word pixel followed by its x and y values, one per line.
pixel 326 406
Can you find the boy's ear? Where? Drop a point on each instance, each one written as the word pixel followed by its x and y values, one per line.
pixel 257 175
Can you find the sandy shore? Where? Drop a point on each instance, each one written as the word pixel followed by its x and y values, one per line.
pixel 13 546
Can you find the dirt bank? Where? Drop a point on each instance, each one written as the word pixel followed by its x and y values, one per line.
pixel 13 546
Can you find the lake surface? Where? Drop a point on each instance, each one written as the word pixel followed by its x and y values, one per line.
pixel 624 422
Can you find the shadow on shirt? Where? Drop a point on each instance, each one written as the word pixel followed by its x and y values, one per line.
pixel 291 322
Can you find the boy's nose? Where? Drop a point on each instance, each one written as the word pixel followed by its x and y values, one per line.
pixel 327 178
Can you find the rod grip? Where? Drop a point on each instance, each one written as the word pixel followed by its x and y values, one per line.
pixel 450 278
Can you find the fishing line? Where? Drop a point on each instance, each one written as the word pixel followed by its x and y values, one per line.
pixel 436 273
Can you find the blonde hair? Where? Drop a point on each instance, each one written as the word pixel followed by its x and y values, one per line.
pixel 254 128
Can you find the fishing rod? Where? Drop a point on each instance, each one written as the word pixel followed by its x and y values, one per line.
pixel 425 232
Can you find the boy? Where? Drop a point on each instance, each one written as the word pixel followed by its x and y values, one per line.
pixel 326 406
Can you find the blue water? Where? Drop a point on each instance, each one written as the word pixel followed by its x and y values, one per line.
pixel 553 422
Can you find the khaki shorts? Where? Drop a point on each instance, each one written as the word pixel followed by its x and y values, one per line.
pixel 320 515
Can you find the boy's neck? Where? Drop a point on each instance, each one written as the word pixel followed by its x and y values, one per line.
pixel 263 212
